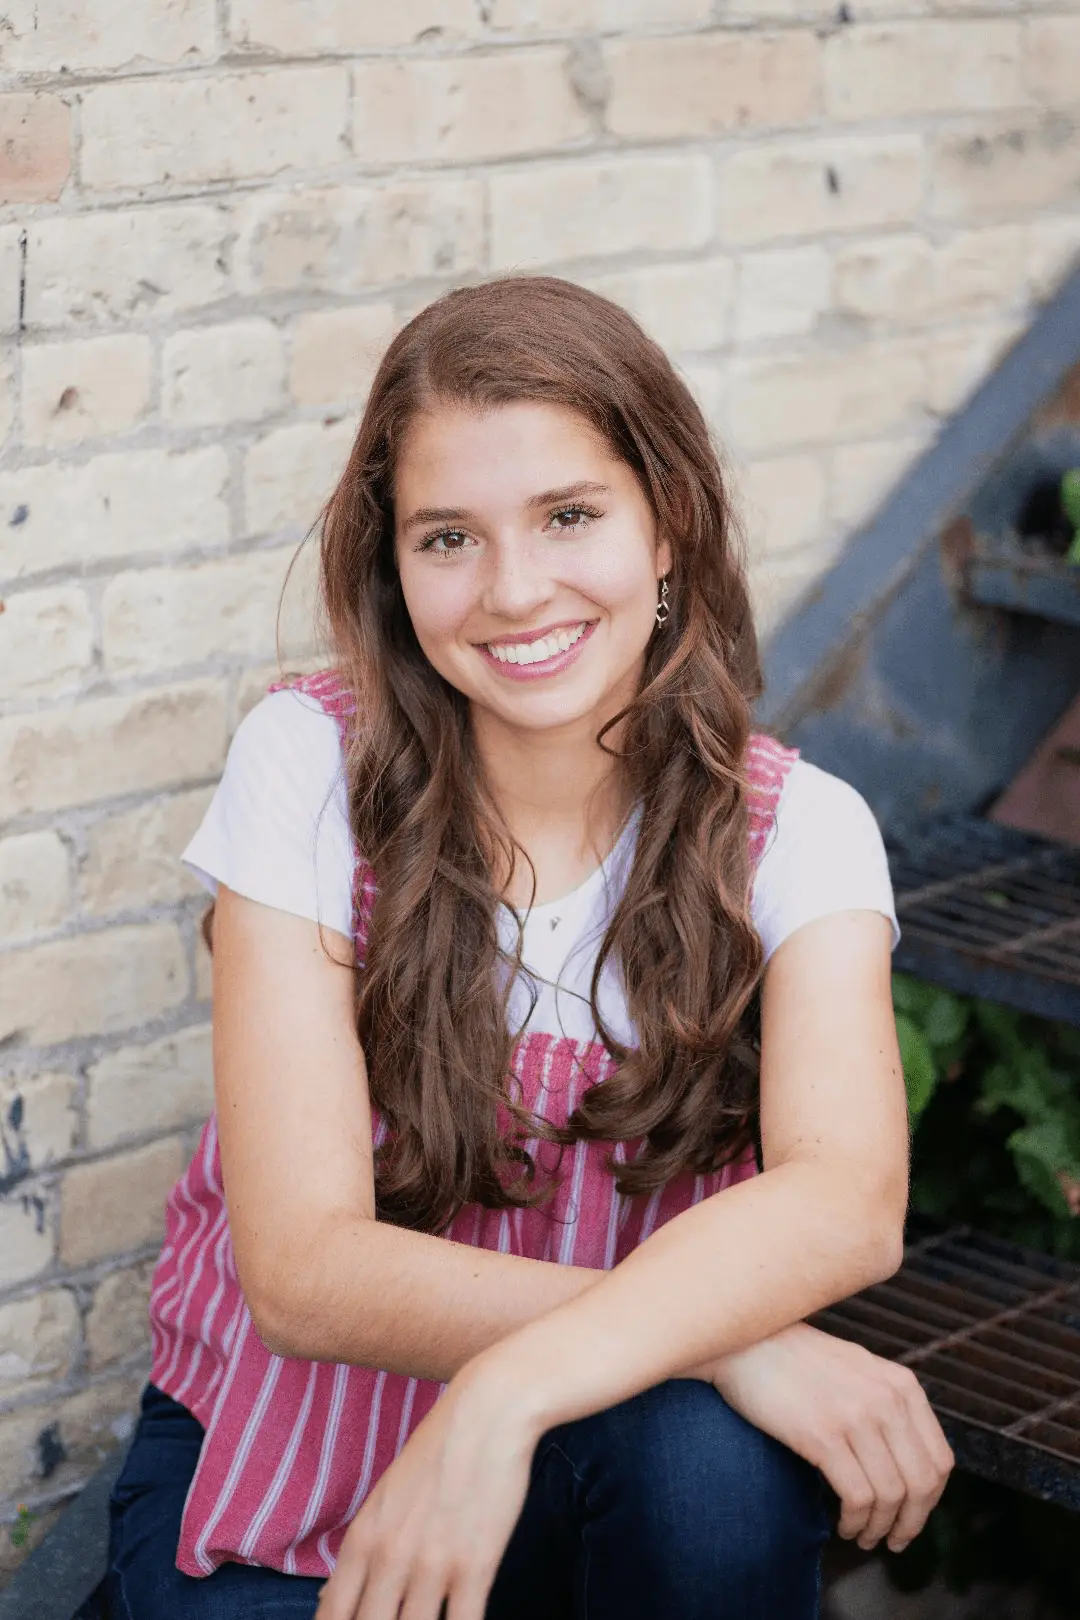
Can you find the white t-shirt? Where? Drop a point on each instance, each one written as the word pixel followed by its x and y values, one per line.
pixel 277 831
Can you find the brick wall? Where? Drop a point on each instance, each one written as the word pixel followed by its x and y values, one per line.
pixel 213 213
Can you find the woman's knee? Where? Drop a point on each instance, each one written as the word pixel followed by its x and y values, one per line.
pixel 684 1471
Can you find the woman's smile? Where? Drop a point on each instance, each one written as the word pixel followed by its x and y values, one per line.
pixel 547 654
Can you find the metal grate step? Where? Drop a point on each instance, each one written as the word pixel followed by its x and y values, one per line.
pixel 992 1332
pixel 1047 589
pixel 988 911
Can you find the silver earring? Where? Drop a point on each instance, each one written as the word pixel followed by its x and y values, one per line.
pixel 663 611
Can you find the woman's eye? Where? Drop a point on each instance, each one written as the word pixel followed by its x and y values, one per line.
pixel 578 516
pixel 444 535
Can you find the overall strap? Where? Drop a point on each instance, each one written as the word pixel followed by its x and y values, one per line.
pixel 768 763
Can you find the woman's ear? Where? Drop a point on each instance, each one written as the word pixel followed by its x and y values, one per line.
pixel 664 558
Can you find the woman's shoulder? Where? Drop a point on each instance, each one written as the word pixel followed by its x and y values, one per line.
pixel 277 828
pixel 824 853
pixel 292 724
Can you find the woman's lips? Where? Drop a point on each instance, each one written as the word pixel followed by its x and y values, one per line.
pixel 547 666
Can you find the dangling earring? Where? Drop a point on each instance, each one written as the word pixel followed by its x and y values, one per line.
pixel 663 611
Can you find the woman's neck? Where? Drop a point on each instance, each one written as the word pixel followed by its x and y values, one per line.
pixel 562 799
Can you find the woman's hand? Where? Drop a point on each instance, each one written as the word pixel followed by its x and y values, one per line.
pixel 437 1523
pixel 862 1420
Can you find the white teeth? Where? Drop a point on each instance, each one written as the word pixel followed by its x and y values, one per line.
pixel 535 652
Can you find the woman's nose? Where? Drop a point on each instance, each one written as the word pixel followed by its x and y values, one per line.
pixel 514 586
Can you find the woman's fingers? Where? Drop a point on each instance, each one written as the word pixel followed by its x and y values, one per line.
pixel 340 1597
pixel 887 1483
pixel 905 1460
pixel 424 1598
pixel 847 1477
pixel 923 1455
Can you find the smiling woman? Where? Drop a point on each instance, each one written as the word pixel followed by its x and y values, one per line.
pixel 556 1073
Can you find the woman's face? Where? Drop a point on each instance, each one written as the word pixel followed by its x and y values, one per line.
pixel 529 561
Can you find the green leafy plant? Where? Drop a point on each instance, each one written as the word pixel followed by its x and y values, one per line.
pixel 1016 1098
pixel 1070 502
pixel 994 1099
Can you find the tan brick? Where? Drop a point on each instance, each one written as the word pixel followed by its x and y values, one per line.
pixel 46 642
pixel 922 67
pixel 223 373
pixel 78 35
pixel 335 352
pixel 1005 166
pixel 60 1442
pixel 777 584
pixel 888 278
pixel 682 306
pixel 1053 248
pixel 204 974
pixel 782 292
pixel 33 885
pixel 194 131
pixel 253 684
pixel 704 84
pixel 959 361
pixel 820 398
pixel 86 389
pixel 7 395
pixel 117 1204
pixel 547 213
pixel 162 618
pixel 38 1119
pixel 35 148
pixel 110 746
pixel 290 474
pixel 317 27
pixel 343 241
pixel 92 984
pixel 862 475
pixel 806 10
pixel 460 109
pixel 39 1340
pixel 903 280
pixel 133 860
pixel 128 265
pixel 784 502
pixel 118 1324
pixel 1051 56
pixel 162 1086
pixel 11 254
pixel 813 186
pixel 26 1236
pixel 118 505
pixel 572 16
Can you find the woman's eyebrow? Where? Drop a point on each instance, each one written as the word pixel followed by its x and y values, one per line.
pixel 547 497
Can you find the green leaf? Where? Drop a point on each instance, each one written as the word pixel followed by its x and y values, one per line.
pixel 1070 496
pixel 1073 553
pixel 1040 1152
pixel 920 1070
pixel 945 1019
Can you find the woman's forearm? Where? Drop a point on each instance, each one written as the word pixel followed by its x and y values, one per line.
pixel 377 1295
pixel 718 1277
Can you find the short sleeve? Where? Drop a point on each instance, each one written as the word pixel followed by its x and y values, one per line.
pixel 277 829
pixel 825 854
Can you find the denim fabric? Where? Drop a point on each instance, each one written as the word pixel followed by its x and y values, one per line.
pixel 667 1504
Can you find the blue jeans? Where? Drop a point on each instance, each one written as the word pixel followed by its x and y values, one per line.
pixel 667 1504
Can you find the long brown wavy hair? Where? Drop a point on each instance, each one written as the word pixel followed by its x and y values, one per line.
pixel 430 1015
